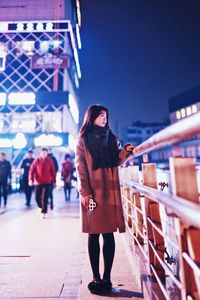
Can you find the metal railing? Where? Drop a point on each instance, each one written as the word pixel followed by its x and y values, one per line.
pixel 142 205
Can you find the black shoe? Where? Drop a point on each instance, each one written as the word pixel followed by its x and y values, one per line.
pixel 95 287
pixel 107 286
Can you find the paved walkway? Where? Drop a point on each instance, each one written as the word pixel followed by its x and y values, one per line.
pixel 47 258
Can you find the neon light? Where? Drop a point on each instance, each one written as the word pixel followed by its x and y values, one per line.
pixel 183 112
pixel 78 10
pixel 40 26
pixel 72 36
pixel 78 36
pixel 73 108
pixel 194 108
pixel 20 141
pixel 49 26
pixel 29 27
pixel 20 27
pixel 56 44
pixel 44 46
pixel 34 26
pixel 76 80
pixel 3 27
pixel 188 111
pixel 27 47
pixel 6 143
pixel 48 140
pixel 178 115
pixel 21 98
pixel 77 63
pixel 2 98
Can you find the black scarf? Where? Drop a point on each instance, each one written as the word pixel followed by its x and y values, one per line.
pixel 103 148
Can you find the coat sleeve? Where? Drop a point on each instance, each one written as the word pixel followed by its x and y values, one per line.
pixel 123 154
pixel 82 170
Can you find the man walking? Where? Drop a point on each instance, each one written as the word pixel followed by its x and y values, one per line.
pixel 42 172
pixel 5 174
pixel 26 164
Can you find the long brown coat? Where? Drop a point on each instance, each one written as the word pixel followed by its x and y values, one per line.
pixel 103 184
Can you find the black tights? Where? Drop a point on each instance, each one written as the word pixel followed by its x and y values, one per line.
pixel 108 254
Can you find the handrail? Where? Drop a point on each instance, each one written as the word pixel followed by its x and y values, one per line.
pixel 170 135
pixel 186 211
pixel 181 207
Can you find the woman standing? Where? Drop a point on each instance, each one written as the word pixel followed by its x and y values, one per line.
pixel 97 159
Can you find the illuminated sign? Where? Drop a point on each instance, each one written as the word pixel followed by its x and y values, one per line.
pixel 22 124
pixel 21 98
pixel 19 142
pixel 6 143
pixel 49 61
pixel 26 47
pixel 33 26
pixel 73 108
pixel 48 140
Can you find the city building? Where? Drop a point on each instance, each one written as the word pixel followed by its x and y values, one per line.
pixel 39 76
pixel 39 73
pixel 183 106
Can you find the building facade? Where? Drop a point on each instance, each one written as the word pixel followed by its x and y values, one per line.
pixel 183 106
pixel 39 73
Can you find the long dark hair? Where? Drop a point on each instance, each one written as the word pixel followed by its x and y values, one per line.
pixel 91 114
pixel 89 131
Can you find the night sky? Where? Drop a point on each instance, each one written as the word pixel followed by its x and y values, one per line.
pixel 137 54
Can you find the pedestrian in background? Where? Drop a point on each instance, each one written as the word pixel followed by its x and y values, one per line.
pixel 5 177
pixel 98 156
pixel 50 154
pixel 26 164
pixel 42 173
pixel 66 175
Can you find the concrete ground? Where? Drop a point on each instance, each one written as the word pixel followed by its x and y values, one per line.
pixel 47 258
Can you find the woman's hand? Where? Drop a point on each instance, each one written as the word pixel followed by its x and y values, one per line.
pixel 85 200
pixel 129 148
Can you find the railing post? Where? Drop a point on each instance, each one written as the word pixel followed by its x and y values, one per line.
pixel 152 212
pixel 136 200
pixel 126 196
pixel 184 184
